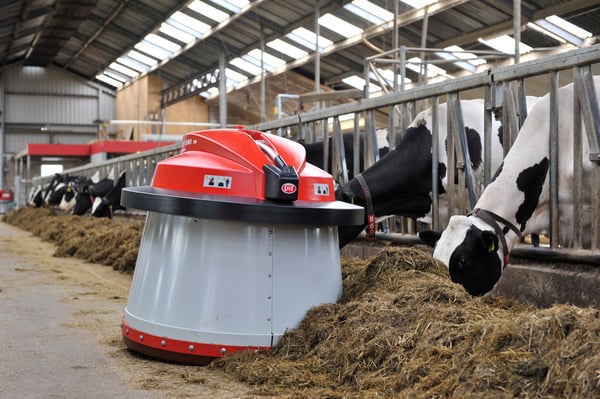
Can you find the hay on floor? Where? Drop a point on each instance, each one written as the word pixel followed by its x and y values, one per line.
pixel 402 329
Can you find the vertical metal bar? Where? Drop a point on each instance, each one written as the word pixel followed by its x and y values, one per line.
pixel 435 161
pixel 326 148
pixel 577 166
pixel 356 145
pixel 553 148
pixel 222 90
pixel 517 29
pixel 460 135
pixel 588 101
pixel 487 136
pixel 522 101
pixel 339 152
pixel 393 123
pixel 509 113
pixel 451 172
pixel 263 116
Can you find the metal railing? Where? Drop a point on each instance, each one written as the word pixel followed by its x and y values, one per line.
pixel 502 89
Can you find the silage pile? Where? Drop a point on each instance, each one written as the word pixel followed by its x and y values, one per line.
pixel 401 330
pixel 111 242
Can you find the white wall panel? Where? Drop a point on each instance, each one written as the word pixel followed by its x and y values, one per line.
pixel 50 80
pixel 43 109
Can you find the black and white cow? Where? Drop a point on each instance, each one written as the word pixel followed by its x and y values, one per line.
pixel 314 151
pixel 104 206
pixel 400 182
pixel 87 191
pixel 476 248
pixel 69 198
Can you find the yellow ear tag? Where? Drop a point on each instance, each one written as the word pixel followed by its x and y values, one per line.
pixel 492 246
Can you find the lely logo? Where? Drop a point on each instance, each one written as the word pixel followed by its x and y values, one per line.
pixel 288 188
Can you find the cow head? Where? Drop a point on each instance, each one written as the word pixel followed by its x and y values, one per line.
pixel 471 251
pixel 399 183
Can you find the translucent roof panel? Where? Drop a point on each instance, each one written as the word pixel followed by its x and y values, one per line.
pixel 369 11
pixel 246 66
pixel 234 77
pixel 569 27
pixel 208 11
pixel 162 42
pixel 133 64
pixel 123 69
pixel 359 83
pixel 110 81
pixel 176 33
pixel 286 48
pixel 307 38
pixel 234 6
pixel 270 61
pixel 557 27
pixel 153 50
pixel 470 63
pixel 188 24
pixel 414 64
pixel 505 44
pixel 339 26
pixel 418 3
pixel 388 75
pixel 144 59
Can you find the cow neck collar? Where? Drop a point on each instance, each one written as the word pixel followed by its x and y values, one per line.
pixel 371 223
pixel 493 219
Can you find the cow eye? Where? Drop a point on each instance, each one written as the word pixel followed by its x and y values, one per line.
pixel 463 262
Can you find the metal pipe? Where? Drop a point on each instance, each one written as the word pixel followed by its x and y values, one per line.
pixel 435 161
pixel 222 91
pixel 517 29
pixel 553 172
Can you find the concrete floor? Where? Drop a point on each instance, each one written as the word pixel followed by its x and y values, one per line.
pixel 41 356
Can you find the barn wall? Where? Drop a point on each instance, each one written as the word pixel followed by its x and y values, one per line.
pixel 47 105
pixel 140 101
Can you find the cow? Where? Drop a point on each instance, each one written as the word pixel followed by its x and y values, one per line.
pixel 476 247
pixel 105 206
pixel 400 182
pixel 314 151
pixel 87 191
pixel 69 199
pixel 36 196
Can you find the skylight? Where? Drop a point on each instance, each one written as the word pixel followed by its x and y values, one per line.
pixel 176 33
pixel 458 53
pixel 419 3
pixel 188 24
pixel 287 49
pixel 546 32
pixel 561 30
pixel 339 26
pixel 414 64
pixel 123 69
pixel 270 61
pixel 208 11
pixel 306 38
pixel 234 77
pixel 133 64
pixel 162 42
pixel 369 11
pixel 144 59
pixel 246 66
pixel 151 49
pixel 234 6
pixel 569 27
pixel 388 75
pixel 359 83
pixel 505 44
pixel 110 81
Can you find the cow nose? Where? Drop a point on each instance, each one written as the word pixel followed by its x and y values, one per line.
pixel 463 263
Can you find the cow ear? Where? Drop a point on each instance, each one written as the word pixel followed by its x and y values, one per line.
pixel 489 240
pixel 430 237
